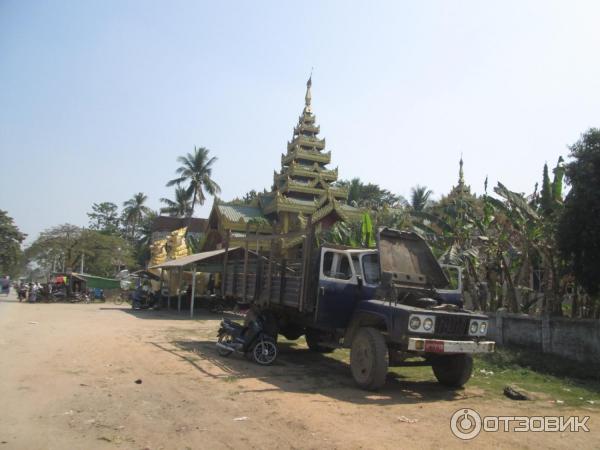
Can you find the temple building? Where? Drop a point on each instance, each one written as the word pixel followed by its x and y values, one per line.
pixel 302 187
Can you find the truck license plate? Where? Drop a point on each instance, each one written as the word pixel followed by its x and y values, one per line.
pixel 434 346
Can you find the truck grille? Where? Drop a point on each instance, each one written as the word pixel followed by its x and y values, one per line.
pixel 451 325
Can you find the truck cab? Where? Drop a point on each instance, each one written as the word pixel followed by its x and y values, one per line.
pixel 393 304
pixel 346 275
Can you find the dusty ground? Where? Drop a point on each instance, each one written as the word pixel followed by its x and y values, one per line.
pixel 67 381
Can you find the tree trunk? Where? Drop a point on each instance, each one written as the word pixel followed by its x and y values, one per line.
pixel 511 294
pixel 189 222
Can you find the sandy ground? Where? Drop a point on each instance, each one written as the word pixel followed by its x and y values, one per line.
pixel 68 372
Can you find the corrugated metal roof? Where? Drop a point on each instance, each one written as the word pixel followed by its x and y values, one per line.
pixel 234 213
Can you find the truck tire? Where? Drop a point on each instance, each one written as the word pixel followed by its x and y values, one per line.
pixel 369 358
pixel 313 340
pixel 453 370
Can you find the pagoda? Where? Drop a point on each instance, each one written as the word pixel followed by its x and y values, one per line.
pixel 461 188
pixel 304 184
pixel 302 187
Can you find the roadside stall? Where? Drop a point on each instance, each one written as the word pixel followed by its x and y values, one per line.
pixel 198 274
pixel 98 287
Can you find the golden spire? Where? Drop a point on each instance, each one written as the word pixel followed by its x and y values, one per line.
pixel 308 96
pixel 461 175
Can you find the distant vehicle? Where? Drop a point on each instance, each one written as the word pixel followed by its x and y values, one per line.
pixel 389 305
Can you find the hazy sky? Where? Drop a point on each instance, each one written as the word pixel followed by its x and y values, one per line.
pixel 98 98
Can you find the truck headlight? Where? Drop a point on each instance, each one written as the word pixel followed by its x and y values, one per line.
pixel 428 324
pixel 483 328
pixel 474 327
pixel 414 323
pixel 421 323
pixel 478 327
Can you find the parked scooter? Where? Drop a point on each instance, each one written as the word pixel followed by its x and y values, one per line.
pixel 143 298
pixel 80 296
pixel 250 340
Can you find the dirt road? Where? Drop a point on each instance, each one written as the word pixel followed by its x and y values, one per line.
pixel 68 372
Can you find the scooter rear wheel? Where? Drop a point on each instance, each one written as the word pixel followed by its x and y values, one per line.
pixel 265 351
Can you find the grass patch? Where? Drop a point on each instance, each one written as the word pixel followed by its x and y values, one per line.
pixel 229 379
pixel 547 377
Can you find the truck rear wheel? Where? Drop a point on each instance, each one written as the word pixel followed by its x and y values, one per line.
pixel 453 370
pixel 368 358
pixel 313 340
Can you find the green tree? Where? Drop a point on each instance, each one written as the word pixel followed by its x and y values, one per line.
pixel 144 239
pixel 353 234
pixel 10 245
pixel 196 172
pixel 104 218
pixel 546 197
pixel 62 248
pixel 250 197
pixel 578 230
pixel 557 183
pixel 134 210
pixel 369 195
pixel 419 197
pixel 180 206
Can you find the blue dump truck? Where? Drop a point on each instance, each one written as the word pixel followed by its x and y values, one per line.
pixel 391 306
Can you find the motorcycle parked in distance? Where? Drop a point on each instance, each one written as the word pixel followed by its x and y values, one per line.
pixel 250 340
pixel 143 298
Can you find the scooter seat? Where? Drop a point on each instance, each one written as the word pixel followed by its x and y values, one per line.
pixel 231 323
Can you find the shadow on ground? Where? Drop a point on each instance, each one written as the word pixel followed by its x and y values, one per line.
pixel 165 314
pixel 300 370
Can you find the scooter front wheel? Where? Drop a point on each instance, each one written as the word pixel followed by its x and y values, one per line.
pixel 265 351
pixel 224 339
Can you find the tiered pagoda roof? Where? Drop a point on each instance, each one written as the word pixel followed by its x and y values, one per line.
pixel 301 188
pixel 303 184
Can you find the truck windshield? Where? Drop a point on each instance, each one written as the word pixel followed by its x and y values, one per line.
pixel 370 264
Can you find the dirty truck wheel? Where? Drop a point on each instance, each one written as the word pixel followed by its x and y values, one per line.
pixel 265 351
pixel 313 340
pixel 368 358
pixel 453 370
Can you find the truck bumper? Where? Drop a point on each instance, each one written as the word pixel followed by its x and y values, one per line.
pixel 444 346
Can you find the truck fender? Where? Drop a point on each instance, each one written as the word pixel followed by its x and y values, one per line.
pixel 365 319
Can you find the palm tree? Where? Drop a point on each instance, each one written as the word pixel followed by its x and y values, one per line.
pixel 181 206
pixel 196 171
pixel 134 211
pixel 419 197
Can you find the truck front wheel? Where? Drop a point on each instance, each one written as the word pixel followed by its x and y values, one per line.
pixel 453 370
pixel 368 358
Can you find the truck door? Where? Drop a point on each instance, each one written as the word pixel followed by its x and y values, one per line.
pixel 338 289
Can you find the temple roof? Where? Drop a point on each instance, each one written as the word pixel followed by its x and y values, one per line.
pixel 234 213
